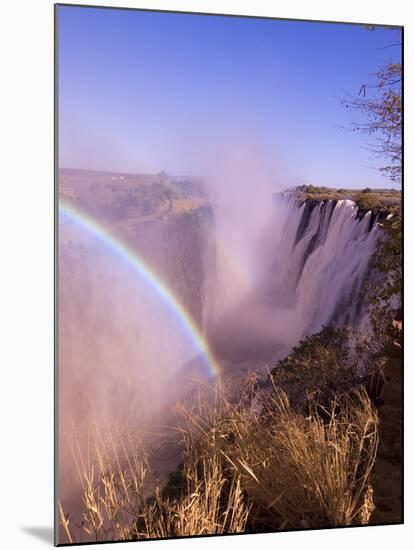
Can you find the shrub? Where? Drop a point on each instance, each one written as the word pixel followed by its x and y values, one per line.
pixel 386 288
pixel 321 366
pixel 368 201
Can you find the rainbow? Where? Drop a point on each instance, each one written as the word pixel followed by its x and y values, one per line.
pixel 150 278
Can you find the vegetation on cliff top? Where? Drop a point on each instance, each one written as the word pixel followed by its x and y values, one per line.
pixel 118 197
pixel 385 201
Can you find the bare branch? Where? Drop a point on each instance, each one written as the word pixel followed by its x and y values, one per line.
pixel 382 117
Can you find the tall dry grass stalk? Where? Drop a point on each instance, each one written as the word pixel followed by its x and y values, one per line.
pixel 123 500
pixel 308 471
pixel 242 471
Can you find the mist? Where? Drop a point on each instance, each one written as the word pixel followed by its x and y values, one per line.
pixel 248 223
pixel 254 270
pixel 125 355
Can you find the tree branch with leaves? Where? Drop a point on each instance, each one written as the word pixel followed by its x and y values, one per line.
pixel 380 105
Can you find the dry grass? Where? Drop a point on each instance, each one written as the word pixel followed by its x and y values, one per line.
pixel 242 471
pixel 122 498
pixel 304 472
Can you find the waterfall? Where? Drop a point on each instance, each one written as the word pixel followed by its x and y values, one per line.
pixel 311 266
pixel 320 262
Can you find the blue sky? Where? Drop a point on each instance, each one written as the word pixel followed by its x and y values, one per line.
pixel 141 92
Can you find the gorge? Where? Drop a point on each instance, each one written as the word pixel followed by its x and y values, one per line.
pixel 214 290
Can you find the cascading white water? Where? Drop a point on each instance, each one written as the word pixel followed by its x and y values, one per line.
pixel 323 252
pixel 312 263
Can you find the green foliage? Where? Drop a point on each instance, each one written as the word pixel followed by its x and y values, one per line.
pixel 322 365
pixel 312 189
pixel 386 292
pixel 368 201
pixel 384 201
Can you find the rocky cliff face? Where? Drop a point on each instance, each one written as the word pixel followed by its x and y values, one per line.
pixel 387 475
pixel 174 246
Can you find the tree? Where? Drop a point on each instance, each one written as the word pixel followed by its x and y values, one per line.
pixel 163 177
pixel 380 105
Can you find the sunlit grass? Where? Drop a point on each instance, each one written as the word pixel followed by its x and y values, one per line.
pixel 245 469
